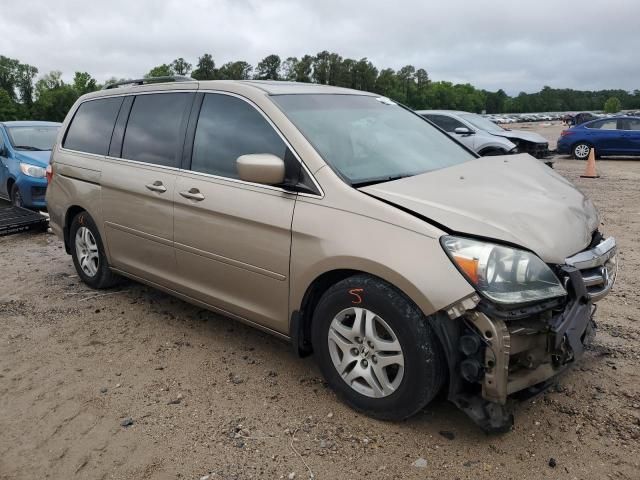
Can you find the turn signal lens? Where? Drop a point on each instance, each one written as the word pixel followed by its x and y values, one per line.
pixel 468 265
pixel 49 173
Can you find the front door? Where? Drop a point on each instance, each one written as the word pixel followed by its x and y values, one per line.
pixel 605 136
pixel 138 184
pixel 233 238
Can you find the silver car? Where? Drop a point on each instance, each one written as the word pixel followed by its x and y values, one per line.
pixel 485 137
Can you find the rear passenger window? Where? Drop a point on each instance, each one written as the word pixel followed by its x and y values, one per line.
pixel 604 125
pixel 227 128
pixel 154 131
pixel 92 125
pixel 634 125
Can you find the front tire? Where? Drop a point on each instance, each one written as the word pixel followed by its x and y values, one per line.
pixel 16 196
pixel 88 254
pixel 376 349
pixel 581 151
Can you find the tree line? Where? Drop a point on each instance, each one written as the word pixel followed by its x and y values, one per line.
pixel 24 95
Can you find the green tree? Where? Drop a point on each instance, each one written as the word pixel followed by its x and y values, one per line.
pixel 181 67
pixel 268 68
pixel 8 108
pixel 288 69
pixel 387 84
pixel 365 75
pixel 163 70
pixel 49 81
pixel 239 70
pixel 8 74
pixel 205 69
pixel 24 81
pixel 304 68
pixel 54 104
pixel 612 105
pixel 84 83
pixel 321 68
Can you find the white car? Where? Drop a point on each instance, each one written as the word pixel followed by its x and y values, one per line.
pixel 484 137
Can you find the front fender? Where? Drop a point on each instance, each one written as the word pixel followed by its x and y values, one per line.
pixel 327 239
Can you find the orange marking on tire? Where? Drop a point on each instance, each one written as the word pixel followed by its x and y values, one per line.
pixel 356 293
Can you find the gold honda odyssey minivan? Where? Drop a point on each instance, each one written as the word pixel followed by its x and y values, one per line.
pixel 344 223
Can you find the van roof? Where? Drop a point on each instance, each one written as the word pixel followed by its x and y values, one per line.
pixel 270 87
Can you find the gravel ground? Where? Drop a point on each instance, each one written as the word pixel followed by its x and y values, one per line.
pixel 134 384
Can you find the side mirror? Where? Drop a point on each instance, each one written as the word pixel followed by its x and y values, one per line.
pixel 263 168
pixel 464 131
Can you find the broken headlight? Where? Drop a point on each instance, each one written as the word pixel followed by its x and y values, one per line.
pixel 503 274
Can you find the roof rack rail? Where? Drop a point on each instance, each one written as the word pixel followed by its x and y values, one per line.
pixel 144 81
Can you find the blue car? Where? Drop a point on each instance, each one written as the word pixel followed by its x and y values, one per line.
pixel 609 136
pixel 25 148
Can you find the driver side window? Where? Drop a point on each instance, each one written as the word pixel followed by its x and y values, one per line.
pixel 229 127
pixel 448 124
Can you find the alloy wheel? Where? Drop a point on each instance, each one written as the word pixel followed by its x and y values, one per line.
pixel 366 352
pixel 581 151
pixel 87 251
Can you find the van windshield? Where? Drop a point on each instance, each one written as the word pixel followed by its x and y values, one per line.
pixel 368 139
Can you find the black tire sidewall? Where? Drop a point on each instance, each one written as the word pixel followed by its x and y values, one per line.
pixel 422 354
pixel 15 191
pixel 103 277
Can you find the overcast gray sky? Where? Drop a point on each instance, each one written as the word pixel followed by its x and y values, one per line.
pixel 516 45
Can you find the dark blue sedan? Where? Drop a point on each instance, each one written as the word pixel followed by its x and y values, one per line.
pixel 25 148
pixel 609 136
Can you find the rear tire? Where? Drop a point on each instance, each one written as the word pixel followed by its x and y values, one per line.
pixel 581 150
pixel 88 254
pixel 388 366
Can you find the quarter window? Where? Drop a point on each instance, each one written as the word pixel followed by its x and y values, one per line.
pixel 92 125
pixel 154 131
pixel 229 127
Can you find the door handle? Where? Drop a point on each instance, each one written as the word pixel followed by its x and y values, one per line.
pixel 156 186
pixel 193 194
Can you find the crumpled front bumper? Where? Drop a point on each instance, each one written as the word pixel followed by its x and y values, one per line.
pixel 503 353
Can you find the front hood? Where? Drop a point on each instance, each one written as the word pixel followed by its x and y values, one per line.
pixel 520 135
pixel 514 198
pixel 39 159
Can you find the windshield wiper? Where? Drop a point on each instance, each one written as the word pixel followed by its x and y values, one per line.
pixel 373 181
pixel 28 147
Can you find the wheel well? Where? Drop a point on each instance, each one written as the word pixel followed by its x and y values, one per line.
pixel 486 150
pixel 70 215
pixel 300 328
pixel 10 183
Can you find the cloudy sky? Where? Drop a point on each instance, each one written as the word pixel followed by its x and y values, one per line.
pixel 518 45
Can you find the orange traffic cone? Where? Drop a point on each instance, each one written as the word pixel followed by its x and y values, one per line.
pixel 590 171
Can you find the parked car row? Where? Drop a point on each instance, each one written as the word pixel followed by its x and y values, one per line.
pixel 344 223
pixel 25 148
pixel 485 137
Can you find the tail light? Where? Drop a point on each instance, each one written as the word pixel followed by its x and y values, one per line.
pixel 49 173
pixel 564 133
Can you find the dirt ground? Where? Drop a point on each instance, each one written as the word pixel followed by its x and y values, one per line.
pixel 209 396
